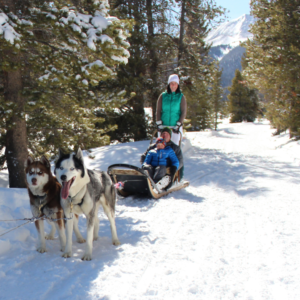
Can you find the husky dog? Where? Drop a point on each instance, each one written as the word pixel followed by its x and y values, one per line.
pixel 43 190
pixel 44 195
pixel 83 191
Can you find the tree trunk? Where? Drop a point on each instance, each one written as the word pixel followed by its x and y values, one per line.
pixel 216 120
pixel 153 58
pixel 138 101
pixel 181 45
pixel 293 130
pixel 16 135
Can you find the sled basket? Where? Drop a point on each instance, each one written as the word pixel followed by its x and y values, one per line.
pixel 137 182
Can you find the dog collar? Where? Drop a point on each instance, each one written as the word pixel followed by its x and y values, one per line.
pixel 41 198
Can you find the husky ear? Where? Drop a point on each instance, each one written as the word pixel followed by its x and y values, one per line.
pixel 45 161
pixel 79 154
pixel 28 161
pixel 60 152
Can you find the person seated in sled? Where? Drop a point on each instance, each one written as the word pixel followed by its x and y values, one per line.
pixel 157 159
pixel 171 109
pixel 166 134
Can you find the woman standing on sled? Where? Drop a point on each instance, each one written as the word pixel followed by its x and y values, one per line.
pixel 171 108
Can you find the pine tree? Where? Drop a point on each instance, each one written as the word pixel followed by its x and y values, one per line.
pixel 243 102
pixel 145 74
pixel 195 66
pixel 216 92
pixel 273 61
pixel 53 56
pixel 157 51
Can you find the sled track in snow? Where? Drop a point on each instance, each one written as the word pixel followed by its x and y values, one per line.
pixel 161 252
pixel 273 170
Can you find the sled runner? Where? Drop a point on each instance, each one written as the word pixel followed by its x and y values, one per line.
pixel 133 180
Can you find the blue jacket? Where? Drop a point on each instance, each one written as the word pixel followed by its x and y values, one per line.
pixel 162 157
pixel 175 148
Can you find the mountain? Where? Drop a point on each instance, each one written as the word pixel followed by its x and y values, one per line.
pixel 232 32
pixel 229 63
pixel 226 45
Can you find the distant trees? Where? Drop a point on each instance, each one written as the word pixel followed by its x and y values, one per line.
pixel 273 61
pixel 243 101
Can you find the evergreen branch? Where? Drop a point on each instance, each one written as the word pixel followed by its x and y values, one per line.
pixel 174 39
pixel 45 43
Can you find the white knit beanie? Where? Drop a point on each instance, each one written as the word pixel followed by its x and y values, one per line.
pixel 173 77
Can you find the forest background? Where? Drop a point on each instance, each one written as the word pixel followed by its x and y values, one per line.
pixel 72 75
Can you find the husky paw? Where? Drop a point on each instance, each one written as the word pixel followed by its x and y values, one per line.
pixel 81 240
pixel 49 237
pixel 41 249
pixel 67 254
pixel 95 238
pixel 116 242
pixel 87 257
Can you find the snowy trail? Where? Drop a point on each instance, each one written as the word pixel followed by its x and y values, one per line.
pixel 232 234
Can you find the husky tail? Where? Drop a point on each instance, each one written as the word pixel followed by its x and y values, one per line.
pixel 109 191
pixel 109 207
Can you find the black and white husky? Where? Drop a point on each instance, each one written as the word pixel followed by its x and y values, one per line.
pixel 82 192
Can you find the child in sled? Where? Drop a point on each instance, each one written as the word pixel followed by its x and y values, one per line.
pixel 158 159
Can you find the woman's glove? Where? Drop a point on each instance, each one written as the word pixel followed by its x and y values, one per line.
pixel 177 127
pixel 159 125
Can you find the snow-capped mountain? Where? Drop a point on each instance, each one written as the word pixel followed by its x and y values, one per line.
pixel 232 32
pixel 226 45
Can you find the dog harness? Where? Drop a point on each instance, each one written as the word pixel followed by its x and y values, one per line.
pixel 41 202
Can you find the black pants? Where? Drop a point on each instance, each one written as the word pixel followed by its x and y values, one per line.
pixel 156 173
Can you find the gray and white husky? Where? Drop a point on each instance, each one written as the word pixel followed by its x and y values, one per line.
pixel 82 192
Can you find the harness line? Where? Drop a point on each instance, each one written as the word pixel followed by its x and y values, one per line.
pixel 28 221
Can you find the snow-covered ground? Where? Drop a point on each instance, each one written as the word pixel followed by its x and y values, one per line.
pixel 232 234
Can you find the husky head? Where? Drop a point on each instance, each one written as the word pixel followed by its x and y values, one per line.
pixel 37 174
pixel 71 173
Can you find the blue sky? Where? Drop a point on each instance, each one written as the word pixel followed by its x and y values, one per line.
pixel 236 7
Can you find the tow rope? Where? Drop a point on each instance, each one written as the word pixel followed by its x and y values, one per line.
pixel 31 220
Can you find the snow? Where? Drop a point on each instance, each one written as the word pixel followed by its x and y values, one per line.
pixel 95 25
pixel 99 21
pixel 7 29
pixel 98 63
pixel 232 32
pixel 232 234
pixel 44 77
pixel 120 59
pixel 51 16
pixel 105 38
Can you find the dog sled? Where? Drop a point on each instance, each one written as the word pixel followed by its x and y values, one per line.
pixel 132 180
